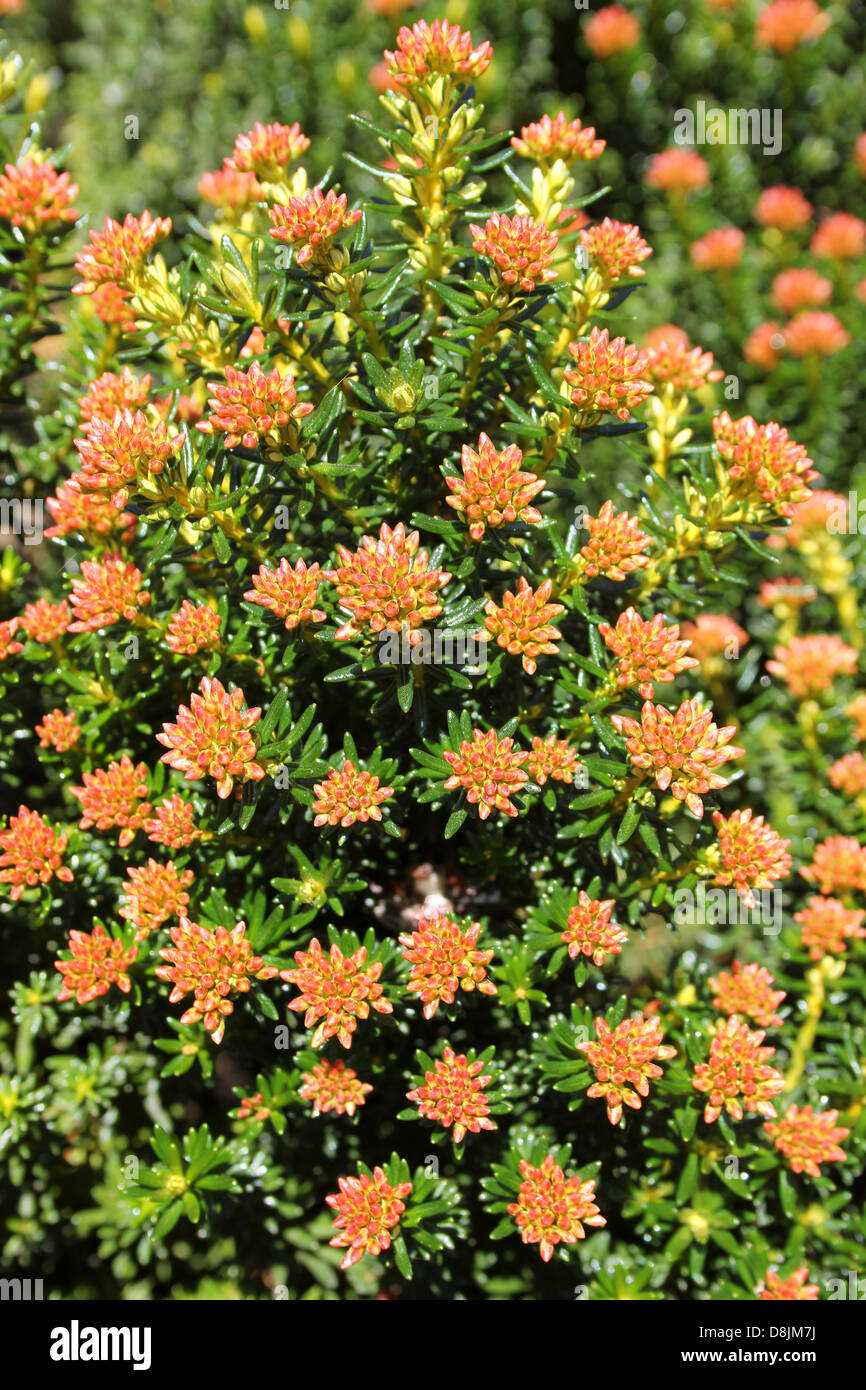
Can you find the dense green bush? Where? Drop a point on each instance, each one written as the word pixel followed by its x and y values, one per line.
pixel 318 432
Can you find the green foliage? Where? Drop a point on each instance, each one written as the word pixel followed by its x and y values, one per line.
pixel 143 1159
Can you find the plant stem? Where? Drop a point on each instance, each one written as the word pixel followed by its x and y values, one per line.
pixel 817 980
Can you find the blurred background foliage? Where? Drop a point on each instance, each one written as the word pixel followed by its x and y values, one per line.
pixel 151 96
pixel 197 72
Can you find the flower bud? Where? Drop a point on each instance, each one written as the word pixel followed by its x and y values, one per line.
pixel 255 23
pixel 403 399
pixel 8 78
pixel 345 73
pixel 37 94
pixel 402 190
pixel 299 34
pixel 238 291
